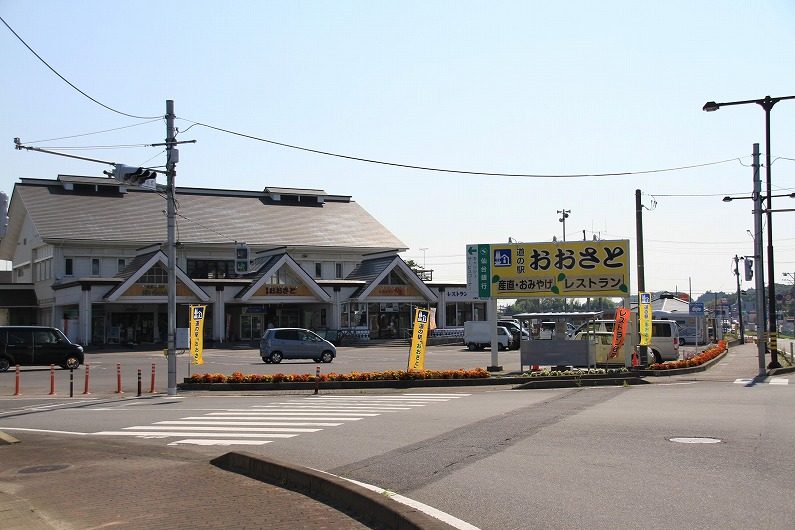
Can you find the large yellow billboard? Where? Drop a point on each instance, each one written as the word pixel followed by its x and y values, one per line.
pixel 549 269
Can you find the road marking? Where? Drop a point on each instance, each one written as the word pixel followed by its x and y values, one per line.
pixel 296 417
pixel 289 412
pixel 771 381
pixel 250 423
pixel 221 442
pixel 48 431
pixel 164 434
pixel 222 428
pixel 743 381
pixel 778 381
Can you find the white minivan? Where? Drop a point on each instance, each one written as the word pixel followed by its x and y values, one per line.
pixel 664 337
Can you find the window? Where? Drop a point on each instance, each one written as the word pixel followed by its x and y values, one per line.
pixel 318 270
pixel 200 268
pixel 68 267
pixel 121 264
pixel 156 275
pixel 94 266
pixel 338 270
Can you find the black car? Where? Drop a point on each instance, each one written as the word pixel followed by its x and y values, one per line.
pixel 37 346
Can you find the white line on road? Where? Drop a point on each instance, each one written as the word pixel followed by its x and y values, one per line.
pixel 779 381
pixel 261 417
pixel 252 423
pixel 164 434
pixel 221 442
pixel 217 428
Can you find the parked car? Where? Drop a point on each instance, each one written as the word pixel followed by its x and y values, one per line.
pixel 295 343
pixel 37 346
pixel 665 338
pixel 477 335
pixel 516 330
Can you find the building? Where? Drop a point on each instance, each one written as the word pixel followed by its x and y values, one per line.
pixel 88 256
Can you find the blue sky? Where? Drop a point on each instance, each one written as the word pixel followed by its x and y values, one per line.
pixel 551 88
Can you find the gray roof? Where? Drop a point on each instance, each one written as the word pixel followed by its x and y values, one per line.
pixel 203 217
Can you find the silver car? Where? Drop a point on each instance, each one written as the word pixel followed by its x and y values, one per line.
pixel 295 343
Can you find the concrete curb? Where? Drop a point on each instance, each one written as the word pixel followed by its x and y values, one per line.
pixel 574 381
pixel 332 490
pixel 682 371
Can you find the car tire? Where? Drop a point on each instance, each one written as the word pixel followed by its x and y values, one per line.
pixel 326 356
pixel 72 362
pixel 276 357
pixel 656 356
pixel 471 346
pixel 266 360
pixel 5 364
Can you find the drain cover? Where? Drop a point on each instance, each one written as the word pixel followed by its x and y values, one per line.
pixel 696 440
pixel 44 469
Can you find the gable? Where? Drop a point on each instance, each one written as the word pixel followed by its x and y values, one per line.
pixel 280 277
pixel 148 278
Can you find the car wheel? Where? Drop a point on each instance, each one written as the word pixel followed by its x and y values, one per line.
pixel 266 360
pixel 472 346
pixel 327 357
pixel 276 357
pixel 5 364
pixel 71 363
pixel 656 356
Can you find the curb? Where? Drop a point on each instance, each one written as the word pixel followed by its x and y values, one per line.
pixel 573 381
pixel 682 371
pixel 330 489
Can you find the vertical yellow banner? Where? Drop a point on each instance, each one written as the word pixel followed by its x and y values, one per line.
pixel 197 332
pixel 418 339
pixel 644 318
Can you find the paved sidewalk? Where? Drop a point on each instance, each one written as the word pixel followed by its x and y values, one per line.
pixel 741 362
pixel 74 482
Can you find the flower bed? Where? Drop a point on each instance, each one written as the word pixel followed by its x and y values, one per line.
pixel 696 360
pixel 390 375
pixel 577 372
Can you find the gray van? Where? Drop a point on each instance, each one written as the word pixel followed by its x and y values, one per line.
pixel 295 343
pixel 37 346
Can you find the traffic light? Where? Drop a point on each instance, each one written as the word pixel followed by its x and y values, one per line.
pixel 241 259
pixel 749 269
pixel 134 176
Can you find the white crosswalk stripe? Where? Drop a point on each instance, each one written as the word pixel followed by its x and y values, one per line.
pixel 263 424
pixel 771 381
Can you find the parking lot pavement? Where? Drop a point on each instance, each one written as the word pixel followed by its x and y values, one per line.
pixel 51 482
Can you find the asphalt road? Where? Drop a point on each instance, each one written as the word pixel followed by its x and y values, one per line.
pixel 494 457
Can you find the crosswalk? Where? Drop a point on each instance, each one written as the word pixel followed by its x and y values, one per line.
pixel 771 381
pixel 263 424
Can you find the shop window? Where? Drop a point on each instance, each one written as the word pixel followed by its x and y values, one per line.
pixel 95 267
pixel 68 267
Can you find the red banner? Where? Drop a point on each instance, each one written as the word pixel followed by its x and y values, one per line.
pixel 619 331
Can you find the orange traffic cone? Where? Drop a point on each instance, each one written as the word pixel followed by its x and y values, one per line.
pixel 635 361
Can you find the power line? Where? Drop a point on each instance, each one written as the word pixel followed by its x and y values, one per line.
pixel 68 82
pixel 459 171
pixel 95 132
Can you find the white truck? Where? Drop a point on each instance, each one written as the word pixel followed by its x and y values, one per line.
pixel 477 335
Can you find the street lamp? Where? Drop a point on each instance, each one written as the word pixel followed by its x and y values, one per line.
pixel 767 104
pixel 564 214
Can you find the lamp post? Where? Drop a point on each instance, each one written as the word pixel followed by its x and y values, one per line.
pixel 564 214
pixel 767 104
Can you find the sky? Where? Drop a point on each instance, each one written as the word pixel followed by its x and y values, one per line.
pixel 525 87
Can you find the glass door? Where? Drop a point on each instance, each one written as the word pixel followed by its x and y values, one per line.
pixel 251 327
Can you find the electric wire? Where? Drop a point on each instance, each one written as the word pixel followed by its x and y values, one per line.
pixel 456 171
pixel 68 82
pixel 97 147
pixel 92 133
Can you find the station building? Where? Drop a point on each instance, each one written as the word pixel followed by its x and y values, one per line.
pixel 89 256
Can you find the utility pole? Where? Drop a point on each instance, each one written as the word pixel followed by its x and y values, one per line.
pixel 760 281
pixel 642 350
pixel 739 297
pixel 172 157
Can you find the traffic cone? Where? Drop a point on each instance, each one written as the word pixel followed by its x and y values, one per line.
pixel 634 358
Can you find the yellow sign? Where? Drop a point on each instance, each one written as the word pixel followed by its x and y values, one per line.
pixel 644 318
pixel 197 332
pixel 422 319
pixel 551 269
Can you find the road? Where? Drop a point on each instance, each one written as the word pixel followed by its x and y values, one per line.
pixel 494 457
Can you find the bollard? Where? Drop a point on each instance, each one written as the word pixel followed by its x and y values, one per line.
pixel 16 389
pixel 85 391
pixel 118 379
pixel 139 382
pixel 317 379
pixel 71 382
pixel 152 386
pixel 52 379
